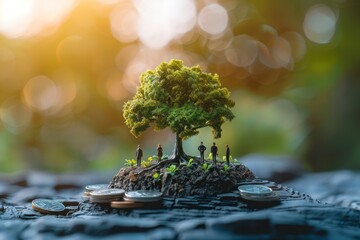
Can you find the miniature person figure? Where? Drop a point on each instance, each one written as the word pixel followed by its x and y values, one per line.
pixel 139 154
pixel 227 155
pixel 159 152
pixel 202 149
pixel 214 151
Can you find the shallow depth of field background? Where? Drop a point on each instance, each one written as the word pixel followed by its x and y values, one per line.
pixel 67 67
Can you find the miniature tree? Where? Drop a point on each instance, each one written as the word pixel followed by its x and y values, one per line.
pixel 181 98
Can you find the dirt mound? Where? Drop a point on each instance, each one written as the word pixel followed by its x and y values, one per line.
pixel 182 180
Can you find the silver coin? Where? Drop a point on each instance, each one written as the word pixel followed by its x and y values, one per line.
pixel 142 200
pixel 48 206
pixel 95 187
pixel 257 198
pixel 255 189
pixel 143 194
pixel 272 194
pixel 108 193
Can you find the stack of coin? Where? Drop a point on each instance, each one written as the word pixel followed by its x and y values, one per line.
pixel 143 196
pixel 106 195
pixel 90 188
pixel 48 206
pixel 126 204
pixel 258 193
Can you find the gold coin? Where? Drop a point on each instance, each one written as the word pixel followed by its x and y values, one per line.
pixel 126 204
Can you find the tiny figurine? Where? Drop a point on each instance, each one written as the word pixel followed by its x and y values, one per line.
pixel 227 155
pixel 139 154
pixel 159 152
pixel 202 149
pixel 214 151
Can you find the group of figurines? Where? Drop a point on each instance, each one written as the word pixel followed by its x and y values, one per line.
pixel 201 148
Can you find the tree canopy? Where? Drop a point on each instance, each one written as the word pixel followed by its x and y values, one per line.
pixel 182 98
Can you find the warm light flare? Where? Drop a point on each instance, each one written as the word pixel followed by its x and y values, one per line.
pixel 26 18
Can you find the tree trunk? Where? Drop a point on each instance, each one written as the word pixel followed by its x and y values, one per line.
pixel 177 157
pixel 178 154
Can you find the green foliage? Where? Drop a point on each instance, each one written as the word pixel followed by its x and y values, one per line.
pixel 172 169
pixel 130 162
pixel 156 176
pixel 231 159
pixel 189 163
pixel 206 167
pixel 225 169
pixel 210 156
pixel 182 98
pixel 146 163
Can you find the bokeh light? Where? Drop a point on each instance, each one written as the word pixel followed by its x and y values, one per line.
pixel 320 24
pixel 15 115
pixel 160 21
pixel 41 93
pixel 213 19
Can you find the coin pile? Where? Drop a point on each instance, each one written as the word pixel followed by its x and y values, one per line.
pixel 138 198
pixel 91 188
pixel 258 193
pixel 117 198
pixel 143 196
pixel 106 195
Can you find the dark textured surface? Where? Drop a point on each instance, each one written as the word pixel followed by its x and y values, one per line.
pixel 224 216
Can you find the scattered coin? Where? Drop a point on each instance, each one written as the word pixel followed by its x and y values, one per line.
pixel 258 198
pixel 126 204
pixel 255 190
pixel 48 206
pixel 143 196
pixel 106 195
pixel 96 187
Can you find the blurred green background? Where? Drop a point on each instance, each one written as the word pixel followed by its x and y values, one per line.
pixel 67 67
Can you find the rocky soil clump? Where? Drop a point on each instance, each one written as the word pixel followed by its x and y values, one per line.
pixel 182 180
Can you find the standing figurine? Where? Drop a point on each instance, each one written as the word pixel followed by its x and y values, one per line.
pixel 227 155
pixel 159 152
pixel 202 149
pixel 214 151
pixel 139 154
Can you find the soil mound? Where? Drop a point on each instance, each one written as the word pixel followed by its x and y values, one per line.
pixel 182 180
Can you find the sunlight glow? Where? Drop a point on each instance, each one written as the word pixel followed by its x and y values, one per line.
pixel 160 21
pixel 25 18
pixel 124 23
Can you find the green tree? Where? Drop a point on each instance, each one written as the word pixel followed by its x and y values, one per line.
pixel 181 98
